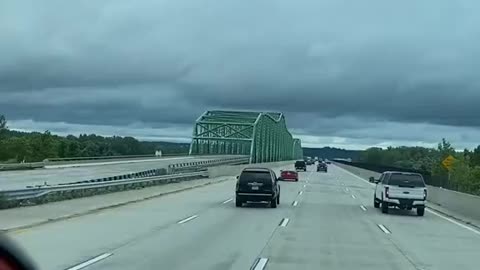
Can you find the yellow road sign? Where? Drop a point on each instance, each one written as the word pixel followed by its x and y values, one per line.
pixel 448 162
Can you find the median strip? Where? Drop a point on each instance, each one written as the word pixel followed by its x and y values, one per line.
pixel 187 219
pixel 260 264
pixel 91 261
pixel 383 228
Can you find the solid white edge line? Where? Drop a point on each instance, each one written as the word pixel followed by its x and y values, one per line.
pixel 91 261
pixel 261 263
pixel 354 175
pixel 284 222
pixel 295 203
pixel 353 196
pixel 453 221
pixel 227 201
pixel 187 219
pixel 431 211
pixel 383 228
pixel 363 207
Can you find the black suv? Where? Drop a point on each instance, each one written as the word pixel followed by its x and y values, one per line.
pixel 321 166
pixel 257 185
pixel 301 166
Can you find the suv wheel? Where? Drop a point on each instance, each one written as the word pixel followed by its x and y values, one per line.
pixel 385 207
pixel 273 203
pixel 420 211
pixel 238 202
pixel 376 204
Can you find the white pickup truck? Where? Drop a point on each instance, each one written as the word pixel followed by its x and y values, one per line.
pixel 404 190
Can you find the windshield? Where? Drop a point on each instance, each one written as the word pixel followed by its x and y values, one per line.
pixel 407 180
pixel 262 177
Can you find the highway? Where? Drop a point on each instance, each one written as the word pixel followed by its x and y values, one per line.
pixel 55 174
pixel 324 221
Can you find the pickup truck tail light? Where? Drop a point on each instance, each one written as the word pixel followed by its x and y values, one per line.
pixel 386 192
pixel 425 194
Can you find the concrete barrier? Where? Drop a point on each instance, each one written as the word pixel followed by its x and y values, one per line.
pixel 457 202
pixel 462 203
pixel 234 170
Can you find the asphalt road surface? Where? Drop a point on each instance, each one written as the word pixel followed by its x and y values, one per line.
pixel 60 174
pixel 324 221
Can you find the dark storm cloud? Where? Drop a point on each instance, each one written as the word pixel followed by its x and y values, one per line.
pixel 162 63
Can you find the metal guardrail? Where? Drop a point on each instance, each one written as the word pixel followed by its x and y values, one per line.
pixel 198 165
pixel 31 193
pixel 142 174
pixel 193 166
pixel 174 173
pixel 21 166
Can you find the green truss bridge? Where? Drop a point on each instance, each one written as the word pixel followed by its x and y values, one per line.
pixel 261 135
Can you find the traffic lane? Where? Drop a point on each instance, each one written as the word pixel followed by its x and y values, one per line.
pixel 103 162
pixel 61 244
pixel 223 237
pixel 21 179
pixel 429 241
pixel 329 230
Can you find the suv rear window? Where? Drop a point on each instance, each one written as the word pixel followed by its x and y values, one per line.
pixel 299 163
pixel 406 180
pixel 252 176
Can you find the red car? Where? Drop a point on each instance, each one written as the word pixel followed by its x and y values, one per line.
pixel 289 175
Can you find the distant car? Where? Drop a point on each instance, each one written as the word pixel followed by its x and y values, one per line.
pixel 301 166
pixel 405 190
pixel 257 185
pixel 328 162
pixel 321 166
pixel 289 175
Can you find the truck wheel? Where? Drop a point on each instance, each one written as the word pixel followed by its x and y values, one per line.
pixel 273 203
pixel 376 204
pixel 420 211
pixel 384 207
pixel 238 202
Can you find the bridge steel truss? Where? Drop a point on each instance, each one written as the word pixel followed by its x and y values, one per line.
pixel 262 136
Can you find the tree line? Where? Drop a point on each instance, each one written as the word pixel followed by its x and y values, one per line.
pixel 16 146
pixel 464 174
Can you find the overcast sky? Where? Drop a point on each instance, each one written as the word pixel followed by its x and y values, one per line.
pixel 350 74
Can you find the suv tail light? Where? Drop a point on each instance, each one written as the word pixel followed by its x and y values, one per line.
pixel 386 192
pixel 425 194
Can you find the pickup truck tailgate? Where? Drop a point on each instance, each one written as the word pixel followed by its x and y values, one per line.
pixel 416 193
